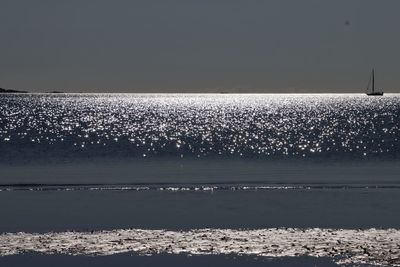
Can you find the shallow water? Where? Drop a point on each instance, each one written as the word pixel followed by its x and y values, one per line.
pixel 38 211
pixel 129 259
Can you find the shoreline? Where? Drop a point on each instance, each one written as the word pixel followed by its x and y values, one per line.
pixel 180 260
pixel 345 247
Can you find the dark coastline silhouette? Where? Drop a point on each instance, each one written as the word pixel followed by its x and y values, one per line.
pixel 2 90
pixel 55 92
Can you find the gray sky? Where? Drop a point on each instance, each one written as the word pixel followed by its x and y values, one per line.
pixel 199 46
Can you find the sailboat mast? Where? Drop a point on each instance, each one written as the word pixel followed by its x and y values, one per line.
pixel 373 80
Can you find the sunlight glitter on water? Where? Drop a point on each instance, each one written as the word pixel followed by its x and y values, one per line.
pixel 198 125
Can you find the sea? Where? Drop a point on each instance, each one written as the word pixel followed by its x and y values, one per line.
pixel 270 176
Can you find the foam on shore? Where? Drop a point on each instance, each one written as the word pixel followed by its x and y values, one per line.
pixel 379 247
pixel 195 188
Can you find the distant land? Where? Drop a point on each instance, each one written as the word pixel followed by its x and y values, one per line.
pixel 55 92
pixel 2 90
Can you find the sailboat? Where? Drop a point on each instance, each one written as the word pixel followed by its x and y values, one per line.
pixel 373 92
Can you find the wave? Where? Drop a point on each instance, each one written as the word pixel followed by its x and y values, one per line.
pixel 368 246
pixel 175 187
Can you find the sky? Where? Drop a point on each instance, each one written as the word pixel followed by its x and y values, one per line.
pixel 246 46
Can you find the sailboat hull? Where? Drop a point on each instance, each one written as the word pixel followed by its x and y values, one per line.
pixel 375 94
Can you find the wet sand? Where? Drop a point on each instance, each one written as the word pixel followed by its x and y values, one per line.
pixel 369 246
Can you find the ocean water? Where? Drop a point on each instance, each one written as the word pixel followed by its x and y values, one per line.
pixel 197 126
pixel 181 163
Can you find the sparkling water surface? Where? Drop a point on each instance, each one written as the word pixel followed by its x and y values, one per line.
pixel 200 125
